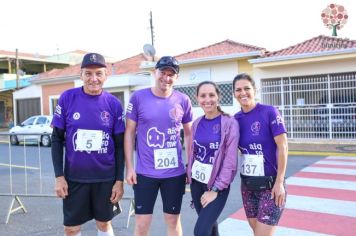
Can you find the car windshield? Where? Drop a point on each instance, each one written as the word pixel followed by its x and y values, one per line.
pixel 29 121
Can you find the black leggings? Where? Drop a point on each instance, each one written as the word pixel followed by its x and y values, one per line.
pixel 206 224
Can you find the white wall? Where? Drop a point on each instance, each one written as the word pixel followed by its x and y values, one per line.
pixel 306 69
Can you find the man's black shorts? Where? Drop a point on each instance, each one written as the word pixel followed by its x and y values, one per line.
pixel 172 190
pixel 87 201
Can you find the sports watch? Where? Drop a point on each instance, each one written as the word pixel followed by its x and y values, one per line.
pixel 215 189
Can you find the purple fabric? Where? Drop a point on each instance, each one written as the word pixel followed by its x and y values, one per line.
pixel 158 123
pixel 257 131
pixel 225 165
pixel 207 139
pixel 78 110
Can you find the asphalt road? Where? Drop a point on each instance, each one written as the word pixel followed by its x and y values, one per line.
pixel 44 216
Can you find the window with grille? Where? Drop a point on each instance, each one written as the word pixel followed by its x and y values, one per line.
pixel 225 90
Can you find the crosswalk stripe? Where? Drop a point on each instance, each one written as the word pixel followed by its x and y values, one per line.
pixel 322 183
pixel 233 227
pixel 326 176
pixel 330 170
pixel 322 205
pixel 334 166
pixel 340 163
pixel 338 194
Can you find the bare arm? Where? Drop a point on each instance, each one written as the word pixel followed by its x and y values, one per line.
pixel 278 191
pixel 129 144
pixel 187 138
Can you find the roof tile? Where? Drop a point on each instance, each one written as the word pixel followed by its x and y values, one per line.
pixel 320 43
pixel 222 48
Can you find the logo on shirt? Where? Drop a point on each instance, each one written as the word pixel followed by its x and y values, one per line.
pixel 199 151
pixel 279 120
pixel 255 128
pixel 155 138
pixel 105 116
pixel 176 113
pixel 216 128
pixel 58 110
pixel 76 116
pixel 129 107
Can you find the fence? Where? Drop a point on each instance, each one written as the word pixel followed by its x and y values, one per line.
pixel 26 171
pixel 316 106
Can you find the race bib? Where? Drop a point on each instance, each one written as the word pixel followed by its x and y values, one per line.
pixel 201 172
pixel 252 165
pixel 165 158
pixel 89 140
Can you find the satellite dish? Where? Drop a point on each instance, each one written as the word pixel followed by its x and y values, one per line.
pixel 149 50
pixel 21 72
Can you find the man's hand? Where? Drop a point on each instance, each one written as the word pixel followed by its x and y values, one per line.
pixel 61 187
pixel 131 177
pixel 117 191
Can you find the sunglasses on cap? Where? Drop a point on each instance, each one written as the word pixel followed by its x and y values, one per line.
pixel 168 62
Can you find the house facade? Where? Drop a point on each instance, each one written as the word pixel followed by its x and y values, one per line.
pixel 313 84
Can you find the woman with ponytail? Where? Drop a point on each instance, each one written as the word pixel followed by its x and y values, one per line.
pixel 212 161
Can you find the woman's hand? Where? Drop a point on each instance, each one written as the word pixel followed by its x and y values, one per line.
pixel 208 197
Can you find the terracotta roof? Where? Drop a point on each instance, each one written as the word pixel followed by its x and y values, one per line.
pixel 317 44
pixel 78 51
pixel 130 65
pixel 222 48
pixel 21 54
pixel 57 73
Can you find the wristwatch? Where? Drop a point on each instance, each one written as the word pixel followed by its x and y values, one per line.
pixel 215 189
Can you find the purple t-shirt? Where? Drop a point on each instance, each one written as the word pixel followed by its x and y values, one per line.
pixel 257 131
pixel 207 139
pixel 83 116
pixel 158 123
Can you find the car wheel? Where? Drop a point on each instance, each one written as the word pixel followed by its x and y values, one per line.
pixel 46 140
pixel 14 140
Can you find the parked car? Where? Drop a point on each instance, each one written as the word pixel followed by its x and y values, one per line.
pixel 34 124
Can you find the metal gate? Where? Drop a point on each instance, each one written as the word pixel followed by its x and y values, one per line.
pixel 315 106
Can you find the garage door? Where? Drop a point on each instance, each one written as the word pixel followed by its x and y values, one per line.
pixel 26 108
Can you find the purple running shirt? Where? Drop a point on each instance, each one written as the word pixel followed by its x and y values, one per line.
pixel 207 139
pixel 90 122
pixel 158 124
pixel 258 128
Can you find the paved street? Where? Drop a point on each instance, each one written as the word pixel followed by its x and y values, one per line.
pixel 321 191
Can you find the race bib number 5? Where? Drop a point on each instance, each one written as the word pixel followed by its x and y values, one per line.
pixel 89 140
pixel 166 158
pixel 252 165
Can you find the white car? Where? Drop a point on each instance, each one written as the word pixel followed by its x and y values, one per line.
pixel 35 124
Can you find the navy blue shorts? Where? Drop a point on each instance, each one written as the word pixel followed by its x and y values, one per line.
pixel 172 190
pixel 87 201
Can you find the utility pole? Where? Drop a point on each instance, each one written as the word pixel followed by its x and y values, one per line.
pixel 151 27
pixel 17 68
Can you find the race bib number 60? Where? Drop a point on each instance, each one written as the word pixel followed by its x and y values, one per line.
pixel 166 158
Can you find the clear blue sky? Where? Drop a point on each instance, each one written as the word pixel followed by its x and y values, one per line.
pixel 120 28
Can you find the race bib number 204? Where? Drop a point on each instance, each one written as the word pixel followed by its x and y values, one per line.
pixel 166 158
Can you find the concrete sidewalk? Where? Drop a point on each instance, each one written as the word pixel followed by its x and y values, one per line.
pixel 331 147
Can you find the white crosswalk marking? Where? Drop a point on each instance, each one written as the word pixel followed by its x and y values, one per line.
pixel 310 209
